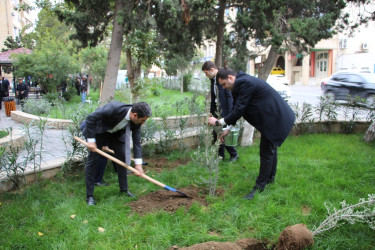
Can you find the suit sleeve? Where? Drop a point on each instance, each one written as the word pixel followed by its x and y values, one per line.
pixel 245 93
pixel 102 113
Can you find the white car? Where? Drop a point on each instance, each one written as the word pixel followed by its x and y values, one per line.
pixel 280 84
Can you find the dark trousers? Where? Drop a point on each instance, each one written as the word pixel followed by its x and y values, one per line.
pixel 231 149
pixel 268 163
pixel 116 142
pixel 101 164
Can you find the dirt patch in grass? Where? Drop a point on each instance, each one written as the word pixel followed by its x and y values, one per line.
pixel 168 201
pixel 252 244
pixel 159 164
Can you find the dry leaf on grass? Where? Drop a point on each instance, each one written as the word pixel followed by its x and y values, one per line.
pixel 100 229
pixel 40 234
pixel 72 216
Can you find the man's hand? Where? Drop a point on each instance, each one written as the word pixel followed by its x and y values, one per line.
pixel 225 133
pixel 140 170
pixel 91 146
pixel 108 150
pixel 211 121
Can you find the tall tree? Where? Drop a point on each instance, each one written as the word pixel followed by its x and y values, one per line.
pixel 181 26
pixel 11 44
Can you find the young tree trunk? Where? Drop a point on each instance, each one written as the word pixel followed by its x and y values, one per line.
pixel 133 73
pixel 182 80
pixel 114 54
pixel 370 133
pixel 268 64
pixel 220 35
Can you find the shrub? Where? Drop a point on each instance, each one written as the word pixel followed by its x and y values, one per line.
pixel 37 107
pixel 51 97
pixel 67 95
pixel 186 81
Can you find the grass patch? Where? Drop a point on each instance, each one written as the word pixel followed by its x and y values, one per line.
pixel 312 169
pixel 168 103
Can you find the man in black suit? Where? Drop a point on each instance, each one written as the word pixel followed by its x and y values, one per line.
pixel 22 90
pixel 222 103
pixel 6 85
pixel 260 105
pixel 111 124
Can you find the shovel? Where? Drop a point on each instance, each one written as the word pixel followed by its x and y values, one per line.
pixel 132 169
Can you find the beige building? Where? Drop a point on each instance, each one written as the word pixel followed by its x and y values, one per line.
pixel 13 20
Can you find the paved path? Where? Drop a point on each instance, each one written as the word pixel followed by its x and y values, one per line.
pixel 53 144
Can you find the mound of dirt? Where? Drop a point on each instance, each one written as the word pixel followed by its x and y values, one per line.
pixel 248 244
pixel 167 200
pixel 295 237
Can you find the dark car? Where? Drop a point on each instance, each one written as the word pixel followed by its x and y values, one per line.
pixel 349 85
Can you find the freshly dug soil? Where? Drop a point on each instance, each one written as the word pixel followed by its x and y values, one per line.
pixel 167 200
pixel 248 244
pixel 295 237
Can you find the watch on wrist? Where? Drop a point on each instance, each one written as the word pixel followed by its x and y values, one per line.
pixel 217 123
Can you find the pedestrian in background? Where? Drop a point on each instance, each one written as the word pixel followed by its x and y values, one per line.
pixel 22 90
pixel 83 89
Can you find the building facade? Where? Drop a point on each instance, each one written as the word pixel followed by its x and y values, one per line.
pixel 13 20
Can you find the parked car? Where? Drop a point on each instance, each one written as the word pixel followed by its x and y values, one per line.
pixel 348 85
pixel 280 84
pixel 277 71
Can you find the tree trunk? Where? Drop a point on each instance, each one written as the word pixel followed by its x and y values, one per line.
pixel 268 64
pixel 220 34
pixel 114 54
pixel 133 73
pixel 182 80
pixel 370 133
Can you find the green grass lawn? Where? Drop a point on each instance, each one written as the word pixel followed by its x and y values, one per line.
pixel 168 103
pixel 312 170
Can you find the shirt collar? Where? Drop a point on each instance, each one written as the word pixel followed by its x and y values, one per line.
pixel 127 117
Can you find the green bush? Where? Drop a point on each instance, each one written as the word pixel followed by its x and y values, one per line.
pixel 187 80
pixel 67 95
pixel 51 97
pixel 37 107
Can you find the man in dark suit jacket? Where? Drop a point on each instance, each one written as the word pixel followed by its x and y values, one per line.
pixel 22 90
pixel 108 124
pixel 222 103
pixel 260 105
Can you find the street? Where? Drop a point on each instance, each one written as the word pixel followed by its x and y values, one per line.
pixel 303 93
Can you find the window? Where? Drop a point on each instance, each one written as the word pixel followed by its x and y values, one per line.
pixel 323 61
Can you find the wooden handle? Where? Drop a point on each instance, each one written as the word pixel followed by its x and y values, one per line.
pixel 123 164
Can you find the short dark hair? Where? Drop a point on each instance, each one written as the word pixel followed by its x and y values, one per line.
pixel 223 73
pixel 208 65
pixel 142 109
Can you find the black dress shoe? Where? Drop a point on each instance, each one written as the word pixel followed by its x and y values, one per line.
pixel 90 201
pixel 234 158
pixel 104 184
pixel 126 192
pixel 251 195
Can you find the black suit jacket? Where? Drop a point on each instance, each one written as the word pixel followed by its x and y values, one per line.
pixel 225 99
pixel 106 118
pixel 260 105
